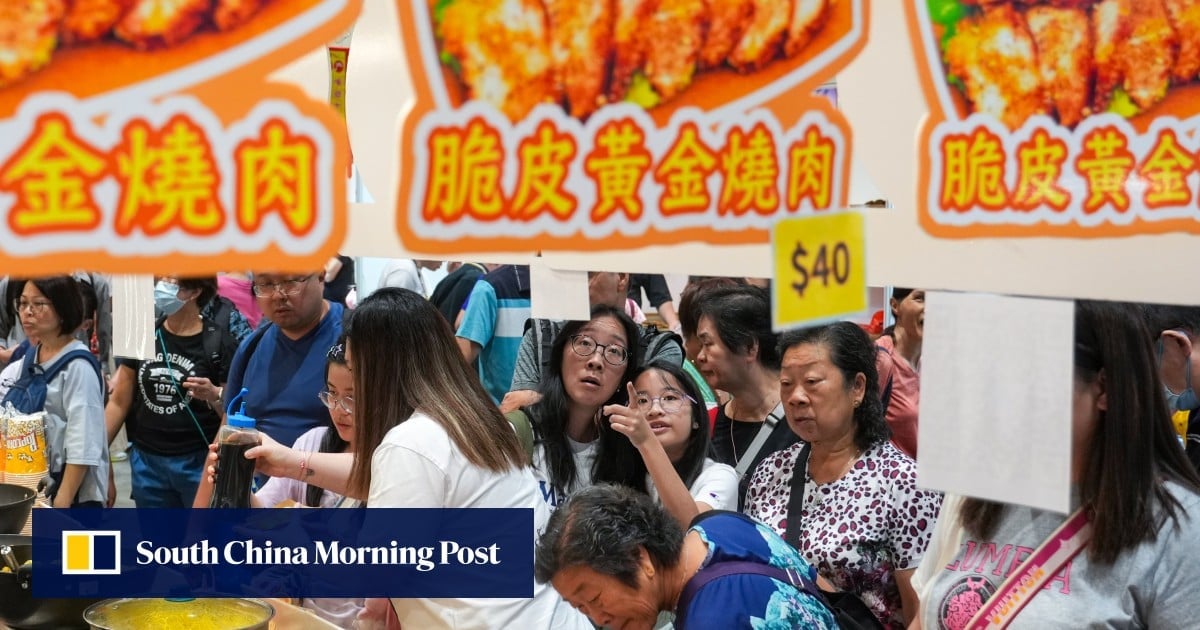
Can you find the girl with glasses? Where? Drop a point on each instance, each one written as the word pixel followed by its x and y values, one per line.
pixel 589 363
pixel 658 444
pixel 338 397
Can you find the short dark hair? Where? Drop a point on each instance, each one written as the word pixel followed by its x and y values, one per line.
pixel 742 316
pixel 618 460
pixel 65 296
pixel 604 527
pixel 697 287
pixel 1160 317
pixel 852 352
pixel 206 284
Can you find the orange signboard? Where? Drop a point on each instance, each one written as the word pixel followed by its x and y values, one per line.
pixel 559 125
pixel 136 136
pixel 1068 119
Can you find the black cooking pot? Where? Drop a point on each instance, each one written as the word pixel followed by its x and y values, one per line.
pixel 16 502
pixel 18 607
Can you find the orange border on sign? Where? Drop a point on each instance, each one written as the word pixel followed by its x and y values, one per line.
pixel 938 115
pixel 229 96
pixel 787 107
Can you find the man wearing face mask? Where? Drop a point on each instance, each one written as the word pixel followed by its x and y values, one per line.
pixel 1175 331
pixel 170 403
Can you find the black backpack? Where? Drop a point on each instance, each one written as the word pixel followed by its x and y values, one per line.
pixel 216 336
pixel 28 394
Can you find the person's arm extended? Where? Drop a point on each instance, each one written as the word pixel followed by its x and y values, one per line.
pixel 119 401
pixel 72 478
pixel 330 471
pixel 672 492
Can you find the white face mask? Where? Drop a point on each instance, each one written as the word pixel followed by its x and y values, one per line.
pixel 166 298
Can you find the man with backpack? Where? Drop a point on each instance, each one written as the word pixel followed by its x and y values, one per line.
pixel 282 364
pixel 534 353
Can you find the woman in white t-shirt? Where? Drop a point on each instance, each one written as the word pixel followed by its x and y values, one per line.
pixel 338 397
pixel 429 436
pixel 589 363
pixel 659 444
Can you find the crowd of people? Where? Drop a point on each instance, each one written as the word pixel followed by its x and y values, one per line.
pixel 708 468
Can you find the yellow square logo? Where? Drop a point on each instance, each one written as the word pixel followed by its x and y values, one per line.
pixel 91 552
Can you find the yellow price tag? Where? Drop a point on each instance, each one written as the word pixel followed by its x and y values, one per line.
pixel 820 269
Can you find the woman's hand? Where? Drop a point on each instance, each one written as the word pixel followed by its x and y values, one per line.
pixel 208 480
pixel 274 459
pixel 201 388
pixel 629 421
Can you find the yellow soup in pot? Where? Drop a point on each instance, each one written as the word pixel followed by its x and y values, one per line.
pixel 198 614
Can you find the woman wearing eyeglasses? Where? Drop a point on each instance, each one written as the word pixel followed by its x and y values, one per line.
pixel 51 310
pixel 589 363
pixel 659 442
pixel 338 397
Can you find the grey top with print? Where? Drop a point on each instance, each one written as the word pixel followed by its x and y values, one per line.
pixel 1153 585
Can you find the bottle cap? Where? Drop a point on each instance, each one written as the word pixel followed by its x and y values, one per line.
pixel 239 419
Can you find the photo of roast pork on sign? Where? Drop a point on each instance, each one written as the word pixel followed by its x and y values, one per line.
pixel 517 54
pixel 33 32
pixel 1069 59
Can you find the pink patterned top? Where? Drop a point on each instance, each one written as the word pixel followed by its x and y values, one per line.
pixel 859 529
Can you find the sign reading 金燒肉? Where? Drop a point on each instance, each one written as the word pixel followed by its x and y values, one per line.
pixel 136 144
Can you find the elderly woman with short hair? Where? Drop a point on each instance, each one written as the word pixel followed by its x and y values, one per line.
pixel 621 559
pixel 858 516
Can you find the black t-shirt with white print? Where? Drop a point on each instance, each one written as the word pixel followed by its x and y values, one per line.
pixel 164 426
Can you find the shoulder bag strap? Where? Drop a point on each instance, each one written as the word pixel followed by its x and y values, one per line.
pixel 1039 568
pixel 760 438
pixel 738 567
pixel 796 498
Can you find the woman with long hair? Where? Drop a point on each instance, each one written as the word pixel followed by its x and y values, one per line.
pixel 589 363
pixel 429 436
pixel 899 365
pixel 658 444
pixel 1130 481
pixel 338 396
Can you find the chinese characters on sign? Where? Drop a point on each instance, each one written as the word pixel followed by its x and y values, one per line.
pixel 179 183
pixel 1022 142
pixel 123 155
pixel 1103 172
pixel 479 175
pixel 592 127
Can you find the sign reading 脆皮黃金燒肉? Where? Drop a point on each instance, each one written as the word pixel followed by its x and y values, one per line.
pixel 819 269
pixel 135 144
pixel 585 126
pixel 1075 120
